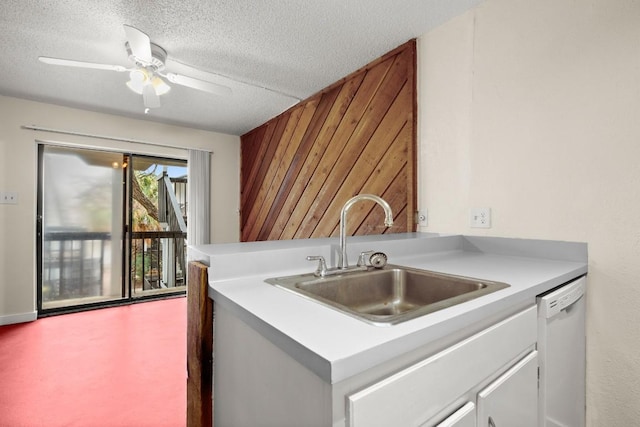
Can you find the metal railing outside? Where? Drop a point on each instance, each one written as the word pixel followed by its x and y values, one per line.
pixel 73 264
pixel 150 268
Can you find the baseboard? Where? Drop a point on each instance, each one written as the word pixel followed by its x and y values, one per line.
pixel 18 318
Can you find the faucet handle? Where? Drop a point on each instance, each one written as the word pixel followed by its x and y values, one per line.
pixel 321 271
pixel 362 260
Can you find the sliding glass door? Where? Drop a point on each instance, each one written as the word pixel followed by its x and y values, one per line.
pixel 111 227
pixel 158 231
pixel 80 227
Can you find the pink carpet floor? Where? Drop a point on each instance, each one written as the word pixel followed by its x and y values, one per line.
pixel 120 367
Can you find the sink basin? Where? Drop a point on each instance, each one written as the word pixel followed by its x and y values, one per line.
pixel 388 296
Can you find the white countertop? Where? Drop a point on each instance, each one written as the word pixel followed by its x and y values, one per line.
pixel 336 346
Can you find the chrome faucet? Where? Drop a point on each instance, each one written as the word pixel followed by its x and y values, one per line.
pixel 388 222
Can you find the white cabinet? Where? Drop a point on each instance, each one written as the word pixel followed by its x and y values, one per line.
pixel 512 399
pixel 463 417
pixel 490 373
pixel 418 394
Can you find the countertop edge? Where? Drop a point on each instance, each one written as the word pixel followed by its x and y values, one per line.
pixel 573 254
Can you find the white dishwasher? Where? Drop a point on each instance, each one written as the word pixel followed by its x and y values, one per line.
pixel 561 350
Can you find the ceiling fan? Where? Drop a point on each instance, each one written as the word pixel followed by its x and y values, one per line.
pixel 147 76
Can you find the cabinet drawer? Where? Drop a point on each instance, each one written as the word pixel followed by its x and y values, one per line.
pixel 417 393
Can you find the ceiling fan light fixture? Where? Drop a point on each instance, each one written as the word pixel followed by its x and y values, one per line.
pixel 146 78
pixel 135 86
pixel 138 79
pixel 141 77
pixel 160 86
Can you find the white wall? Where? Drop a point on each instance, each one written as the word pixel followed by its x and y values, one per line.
pixel 532 108
pixel 18 164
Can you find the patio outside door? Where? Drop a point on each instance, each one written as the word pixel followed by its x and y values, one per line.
pixel 111 228
pixel 81 195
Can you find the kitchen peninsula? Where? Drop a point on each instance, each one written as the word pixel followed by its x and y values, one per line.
pixel 281 359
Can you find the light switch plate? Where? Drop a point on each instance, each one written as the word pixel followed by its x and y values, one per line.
pixel 480 217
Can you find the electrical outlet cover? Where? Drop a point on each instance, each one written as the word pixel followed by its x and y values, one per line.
pixel 423 218
pixel 8 198
pixel 480 217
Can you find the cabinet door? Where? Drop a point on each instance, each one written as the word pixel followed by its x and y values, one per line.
pixel 423 390
pixel 512 399
pixel 463 417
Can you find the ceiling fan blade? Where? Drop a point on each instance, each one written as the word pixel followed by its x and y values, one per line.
pixel 191 82
pixel 139 43
pixel 150 97
pixel 81 64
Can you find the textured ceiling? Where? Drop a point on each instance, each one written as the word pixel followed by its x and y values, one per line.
pixel 271 53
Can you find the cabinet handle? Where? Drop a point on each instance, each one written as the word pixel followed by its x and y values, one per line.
pixel 491 423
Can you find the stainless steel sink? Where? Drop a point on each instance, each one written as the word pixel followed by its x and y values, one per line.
pixel 390 295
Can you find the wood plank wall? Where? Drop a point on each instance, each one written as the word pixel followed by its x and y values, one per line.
pixel 356 136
